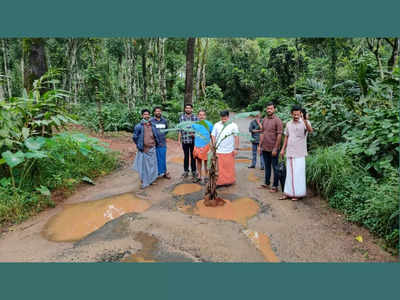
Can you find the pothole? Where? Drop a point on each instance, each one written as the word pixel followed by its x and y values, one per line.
pixel 187 188
pixel 262 243
pixel 78 220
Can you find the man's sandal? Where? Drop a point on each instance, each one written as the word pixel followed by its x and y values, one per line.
pixel 263 186
pixel 284 198
pixel 273 190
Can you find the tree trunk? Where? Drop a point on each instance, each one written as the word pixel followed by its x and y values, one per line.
pixel 6 71
pixel 395 53
pixel 333 56
pixel 163 87
pixel 375 50
pixel 35 65
pixel 203 70
pixel 198 70
pixel 144 69
pixel 189 70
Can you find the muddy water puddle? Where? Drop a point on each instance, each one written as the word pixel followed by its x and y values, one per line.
pixel 243 160
pixel 253 177
pixel 152 251
pixel 262 243
pixel 149 246
pixel 78 220
pixel 187 188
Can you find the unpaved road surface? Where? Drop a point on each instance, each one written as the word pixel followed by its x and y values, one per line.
pixel 166 222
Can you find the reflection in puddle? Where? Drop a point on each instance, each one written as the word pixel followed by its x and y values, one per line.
pixel 183 189
pixel 176 159
pixel 261 241
pixel 252 177
pixel 149 245
pixel 239 210
pixel 78 220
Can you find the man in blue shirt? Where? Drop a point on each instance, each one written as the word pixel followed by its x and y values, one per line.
pixel 202 145
pixel 161 123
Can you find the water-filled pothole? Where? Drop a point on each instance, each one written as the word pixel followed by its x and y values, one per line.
pixel 187 188
pixel 243 160
pixel 78 220
pixel 239 210
pixel 262 243
pixel 149 246
pixel 253 177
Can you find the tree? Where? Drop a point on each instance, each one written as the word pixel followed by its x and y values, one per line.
pixel 35 65
pixel 395 44
pixel 189 70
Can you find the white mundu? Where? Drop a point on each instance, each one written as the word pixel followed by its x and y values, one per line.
pixel 228 144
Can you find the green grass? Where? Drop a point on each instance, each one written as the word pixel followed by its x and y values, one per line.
pixel 348 187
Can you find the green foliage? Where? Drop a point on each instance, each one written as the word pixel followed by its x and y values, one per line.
pixel 212 104
pixel 115 116
pixel 348 187
pixel 375 139
pixel 44 164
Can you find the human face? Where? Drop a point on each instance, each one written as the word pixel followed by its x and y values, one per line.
pixel 270 110
pixel 157 113
pixel 225 119
pixel 146 115
pixel 296 115
pixel 188 109
pixel 202 115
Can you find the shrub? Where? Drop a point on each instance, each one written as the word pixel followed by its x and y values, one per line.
pixel 349 188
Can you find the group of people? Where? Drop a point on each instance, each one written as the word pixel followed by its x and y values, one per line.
pixel 267 140
pixel 150 161
pixel 150 140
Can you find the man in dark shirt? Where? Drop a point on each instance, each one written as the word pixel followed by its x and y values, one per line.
pixel 255 128
pixel 187 140
pixel 161 123
pixel 270 143
pixel 146 138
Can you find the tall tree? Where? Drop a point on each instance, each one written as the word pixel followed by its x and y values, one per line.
pixel 35 65
pixel 189 70
pixel 7 74
pixel 374 45
pixel 161 69
pixel 395 44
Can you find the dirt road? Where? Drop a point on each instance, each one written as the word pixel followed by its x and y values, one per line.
pixel 116 221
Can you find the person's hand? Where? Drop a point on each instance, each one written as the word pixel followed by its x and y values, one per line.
pixel 282 154
pixel 274 153
pixel 235 152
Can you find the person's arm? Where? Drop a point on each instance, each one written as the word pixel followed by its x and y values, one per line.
pixel 278 138
pixel 308 126
pixel 179 137
pixel 284 147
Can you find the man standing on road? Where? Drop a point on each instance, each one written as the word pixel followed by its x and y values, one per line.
pixel 295 144
pixel 161 123
pixel 187 140
pixel 255 128
pixel 225 137
pixel 202 145
pixel 146 138
pixel 271 136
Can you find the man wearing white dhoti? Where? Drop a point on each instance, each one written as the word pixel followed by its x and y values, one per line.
pixel 295 144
